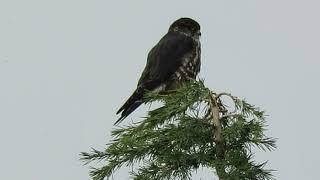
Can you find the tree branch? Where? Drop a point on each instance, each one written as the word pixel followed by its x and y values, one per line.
pixel 218 137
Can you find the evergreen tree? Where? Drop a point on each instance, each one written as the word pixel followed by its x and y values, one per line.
pixel 192 128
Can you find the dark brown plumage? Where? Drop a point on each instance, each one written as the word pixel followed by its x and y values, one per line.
pixel 172 61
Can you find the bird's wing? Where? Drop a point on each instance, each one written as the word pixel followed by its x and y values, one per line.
pixel 164 59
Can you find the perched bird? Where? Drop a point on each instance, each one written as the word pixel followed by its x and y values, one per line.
pixel 172 61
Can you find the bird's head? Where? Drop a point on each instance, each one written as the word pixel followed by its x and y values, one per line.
pixel 186 26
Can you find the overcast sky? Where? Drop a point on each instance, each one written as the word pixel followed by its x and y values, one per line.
pixel 66 66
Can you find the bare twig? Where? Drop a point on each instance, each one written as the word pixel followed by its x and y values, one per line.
pixel 226 94
pixel 225 112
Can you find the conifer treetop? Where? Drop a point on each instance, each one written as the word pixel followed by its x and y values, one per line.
pixel 192 128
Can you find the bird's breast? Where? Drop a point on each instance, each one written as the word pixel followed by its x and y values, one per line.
pixel 190 65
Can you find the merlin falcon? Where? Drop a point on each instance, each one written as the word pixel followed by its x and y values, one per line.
pixel 174 60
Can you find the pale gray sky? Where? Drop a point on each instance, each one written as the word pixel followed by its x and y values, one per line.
pixel 67 65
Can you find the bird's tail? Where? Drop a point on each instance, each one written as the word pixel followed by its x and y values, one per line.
pixel 135 100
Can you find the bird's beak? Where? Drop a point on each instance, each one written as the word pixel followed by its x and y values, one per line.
pixel 199 33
